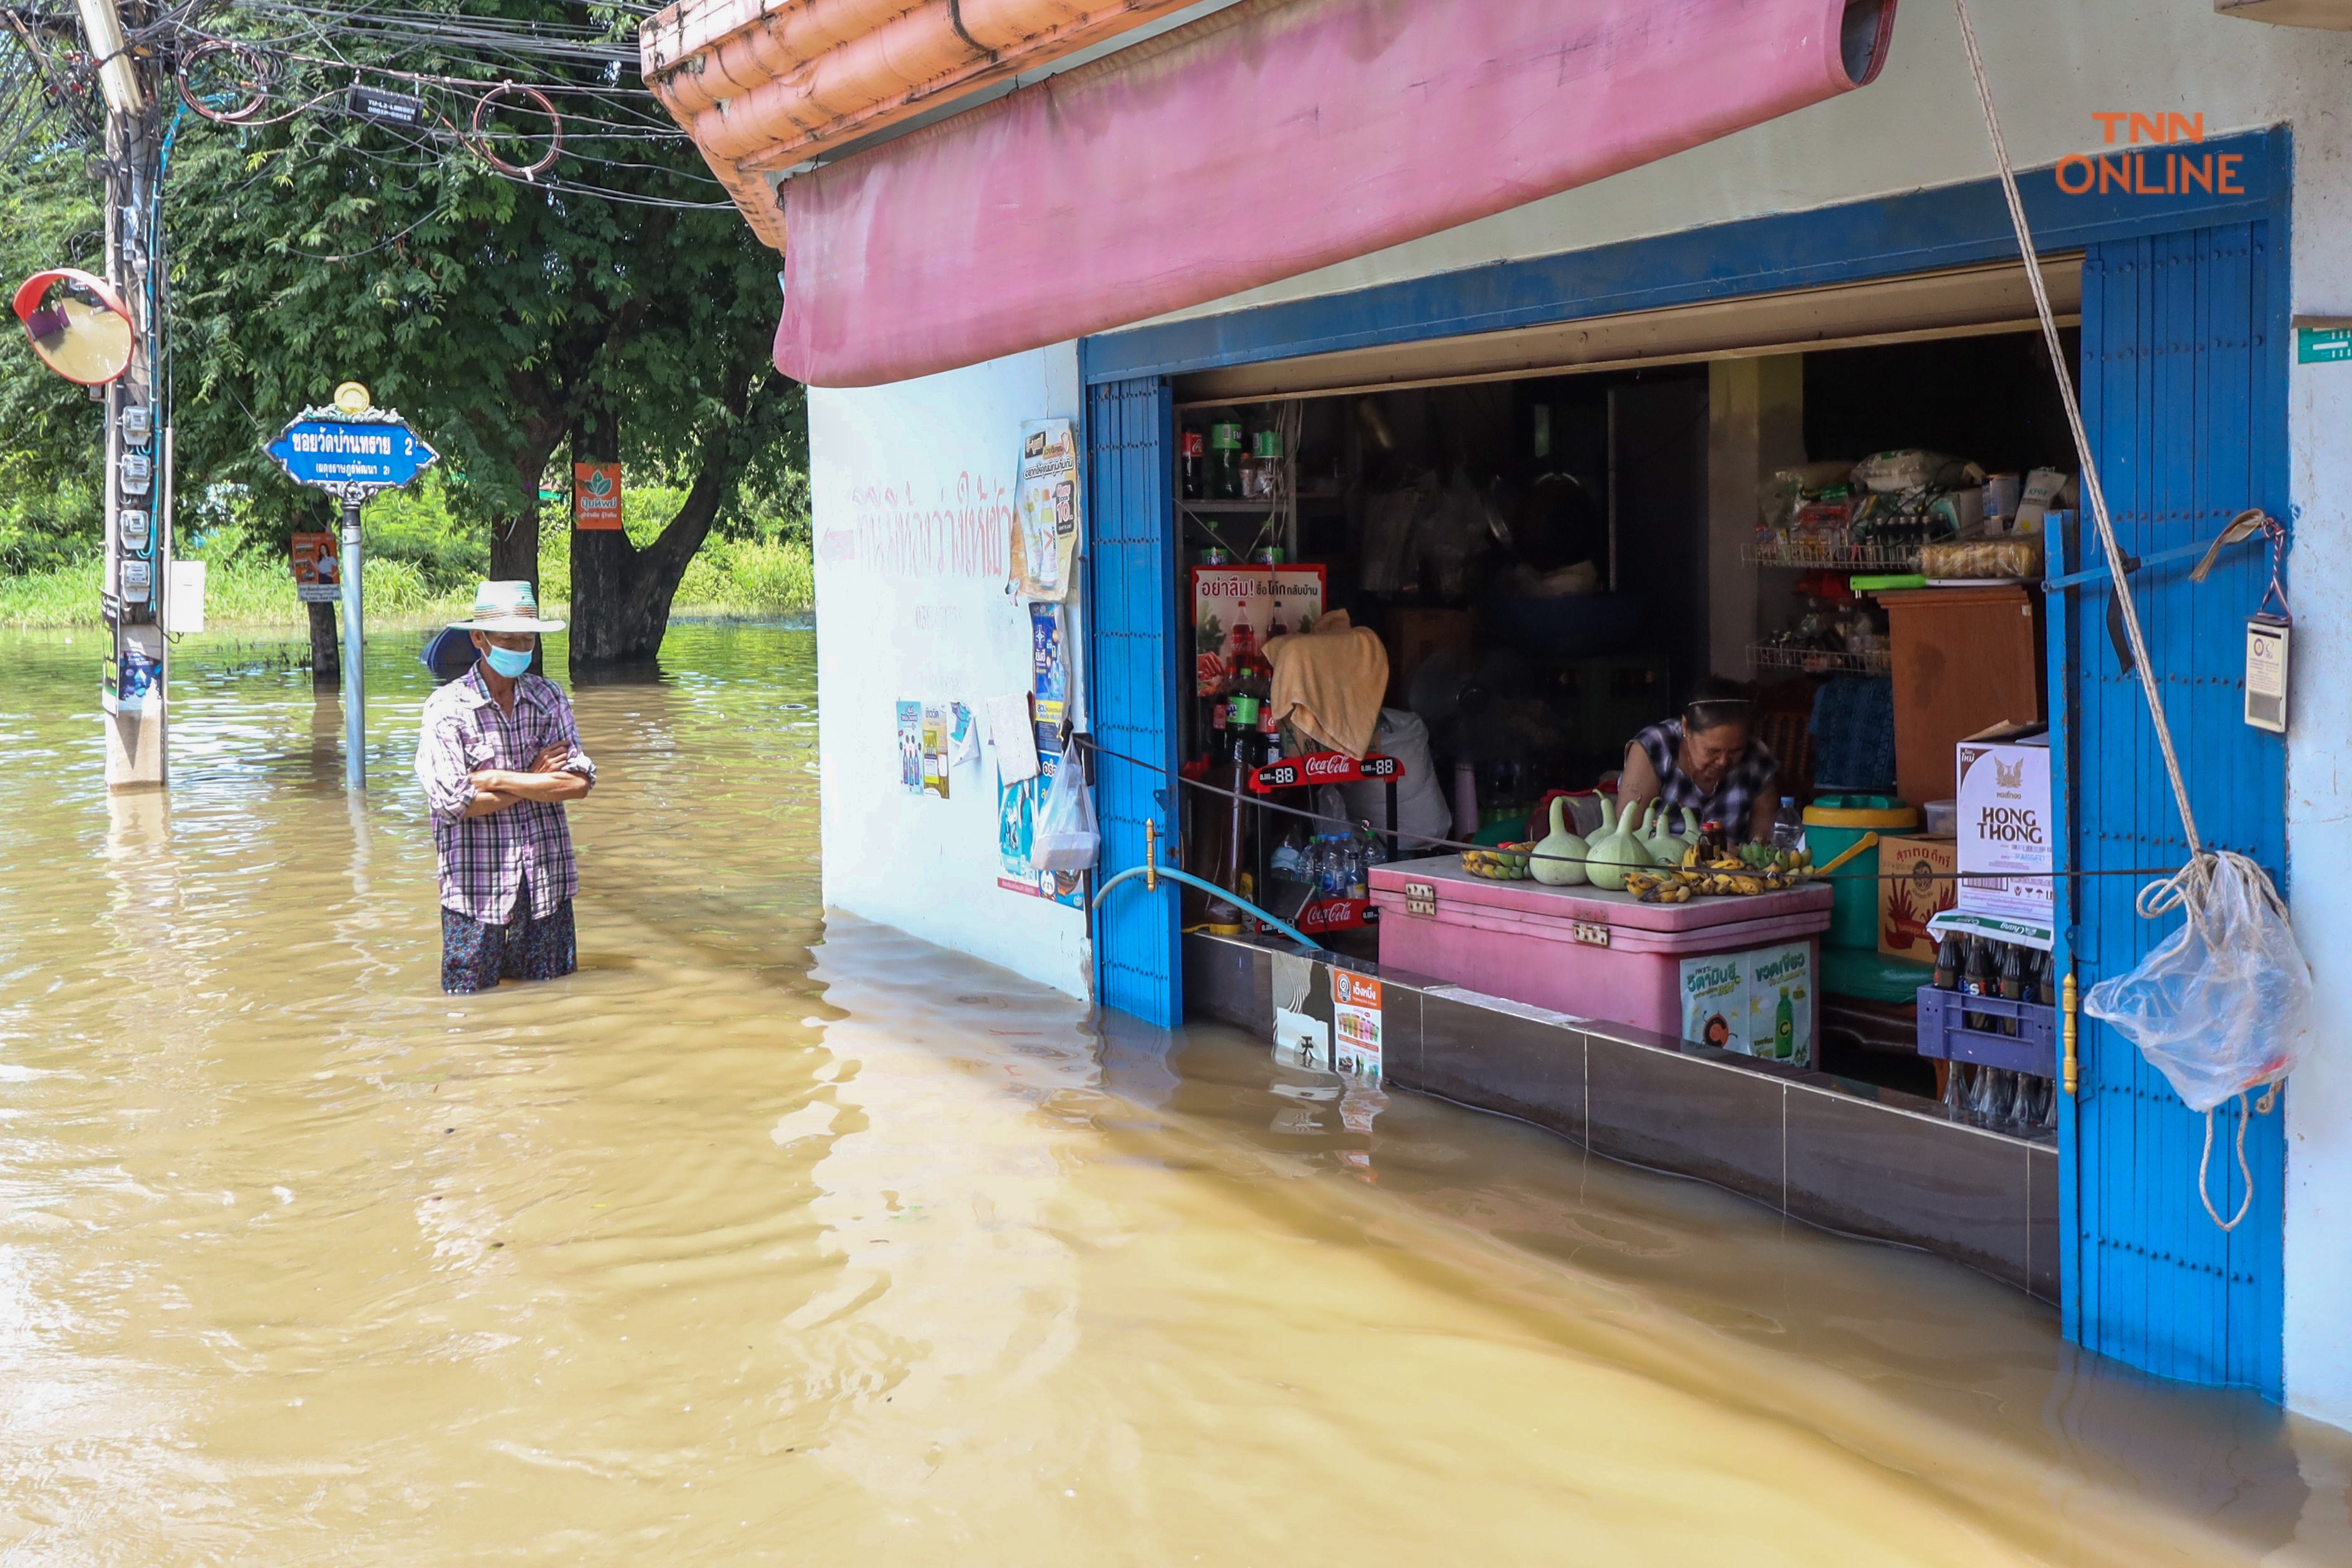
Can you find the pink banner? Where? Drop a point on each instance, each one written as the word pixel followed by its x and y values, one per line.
pixel 1262 142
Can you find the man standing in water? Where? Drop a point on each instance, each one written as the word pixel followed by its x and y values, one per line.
pixel 498 755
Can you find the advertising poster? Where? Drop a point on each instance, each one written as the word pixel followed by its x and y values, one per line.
pixel 2006 854
pixel 936 727
pixel 1017 806
pixel 1045 510
pixel 1355 1023
pixel 1049 677
pixel 596 495
pixel 1752 1003
pixel 318 568
pixel 1780 1002
pixel 910 747
pixel 1236 609
pixel 1715 1002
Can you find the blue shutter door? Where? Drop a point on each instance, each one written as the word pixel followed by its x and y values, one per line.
pixel 1132 707
pixel 2184 383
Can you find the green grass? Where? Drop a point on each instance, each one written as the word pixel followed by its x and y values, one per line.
pixel 747 578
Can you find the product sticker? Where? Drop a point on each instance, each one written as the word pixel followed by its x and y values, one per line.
pixel 1780 1002
pixel 1714 1001
pixel 1355 1023
pixel 1045 510
pixel 910 747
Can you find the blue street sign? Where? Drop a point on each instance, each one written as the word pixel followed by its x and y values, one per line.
pixel 342 455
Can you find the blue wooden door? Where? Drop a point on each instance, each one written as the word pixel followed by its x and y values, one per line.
pixel 1132 705
pixel 2184 383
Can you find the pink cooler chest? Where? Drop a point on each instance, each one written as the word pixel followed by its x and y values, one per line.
pixel 1580 950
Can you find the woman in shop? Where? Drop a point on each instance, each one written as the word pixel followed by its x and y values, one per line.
pixel 1709 760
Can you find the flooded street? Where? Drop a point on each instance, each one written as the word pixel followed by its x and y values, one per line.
pixel 770 1238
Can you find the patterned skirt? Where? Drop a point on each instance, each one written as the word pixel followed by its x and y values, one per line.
pixel 475 954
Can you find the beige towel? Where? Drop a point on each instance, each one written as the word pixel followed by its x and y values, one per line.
pixel 1328 682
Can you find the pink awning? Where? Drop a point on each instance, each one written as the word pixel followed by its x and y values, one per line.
pixel 1262 142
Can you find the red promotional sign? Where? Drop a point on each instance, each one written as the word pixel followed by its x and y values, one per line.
pixel 1322 768
pixel 596 495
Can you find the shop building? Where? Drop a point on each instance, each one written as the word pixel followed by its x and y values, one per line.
pixel 1622 368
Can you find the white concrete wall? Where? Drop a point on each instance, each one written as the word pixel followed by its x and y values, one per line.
pixel 913 494
pixel 2319 790
pixel 2052 67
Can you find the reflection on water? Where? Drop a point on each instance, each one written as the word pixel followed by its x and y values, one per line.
pixel 774 1239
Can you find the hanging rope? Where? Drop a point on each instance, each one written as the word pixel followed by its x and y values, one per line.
pixel 2091 492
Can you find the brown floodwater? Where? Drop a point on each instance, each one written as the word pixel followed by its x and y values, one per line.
pixel 775 1237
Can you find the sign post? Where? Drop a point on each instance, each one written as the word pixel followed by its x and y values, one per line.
pixel 352 451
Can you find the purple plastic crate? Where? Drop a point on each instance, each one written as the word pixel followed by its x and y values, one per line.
pixel 2032 1049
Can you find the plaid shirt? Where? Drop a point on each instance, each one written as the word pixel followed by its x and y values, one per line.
pixel 486 861
pixel 1733 802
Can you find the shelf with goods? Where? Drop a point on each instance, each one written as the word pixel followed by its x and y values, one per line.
pixel 1872 556
pixel 1819 661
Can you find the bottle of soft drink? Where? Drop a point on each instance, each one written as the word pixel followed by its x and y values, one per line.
pixel 2013 980
pixel 1196 465
pixel 1979 978
pixel 1225 460
pixel 1949 958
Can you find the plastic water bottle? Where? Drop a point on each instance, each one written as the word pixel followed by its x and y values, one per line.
pixel 1789 824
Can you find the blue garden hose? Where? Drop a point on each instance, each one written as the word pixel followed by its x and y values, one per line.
pixel 1285 927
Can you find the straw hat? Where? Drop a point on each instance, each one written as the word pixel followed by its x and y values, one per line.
pixel 507 608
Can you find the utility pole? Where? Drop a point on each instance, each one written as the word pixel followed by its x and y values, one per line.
pixel 138 485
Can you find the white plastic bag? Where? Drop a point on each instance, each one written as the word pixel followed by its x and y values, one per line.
pixel 1065 838
pixel 2223 1005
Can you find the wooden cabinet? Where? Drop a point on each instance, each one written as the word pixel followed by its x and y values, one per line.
pixel 1965 660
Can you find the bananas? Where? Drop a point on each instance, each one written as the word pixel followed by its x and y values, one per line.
pixel 1503 863
pixel 1661 887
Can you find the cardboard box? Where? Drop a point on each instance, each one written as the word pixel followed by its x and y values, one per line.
pixel 1919 879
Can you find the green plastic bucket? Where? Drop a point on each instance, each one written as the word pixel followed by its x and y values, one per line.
pixel 1832 824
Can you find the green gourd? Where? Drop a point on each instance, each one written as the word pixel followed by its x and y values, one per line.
pixel 1559 860
pixel 1616 850
pixel 1691 833
pixel 1663 847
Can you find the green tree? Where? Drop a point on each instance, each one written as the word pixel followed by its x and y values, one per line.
pixel 615 297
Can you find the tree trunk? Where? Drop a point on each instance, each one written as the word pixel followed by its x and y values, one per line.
pixel 326 648
pixel 514 544
pixel 620 594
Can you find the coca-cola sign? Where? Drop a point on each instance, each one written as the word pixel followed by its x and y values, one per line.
pixel 1322 768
